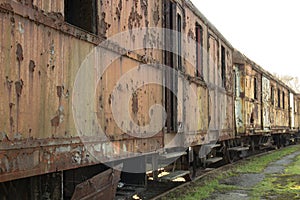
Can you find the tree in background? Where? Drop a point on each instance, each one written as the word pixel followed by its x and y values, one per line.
pixel 291 81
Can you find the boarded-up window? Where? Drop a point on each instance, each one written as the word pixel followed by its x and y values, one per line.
pixel 283 96
pixel 272 95
pixel 278 100
pixel 171 81
pixel 223 66
pixel 82 13
pixel 255 88
pixel 179 58
pixel 199 50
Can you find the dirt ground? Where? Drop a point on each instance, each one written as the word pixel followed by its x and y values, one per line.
pixel 273 183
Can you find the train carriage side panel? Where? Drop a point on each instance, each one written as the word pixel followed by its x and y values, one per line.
pixel 41 57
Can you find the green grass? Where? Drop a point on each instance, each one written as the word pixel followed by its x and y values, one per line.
pixel 295 168
pixel 203 188
pixel 258 164
pixel 200 192
pixel 283 186
pixel 279 187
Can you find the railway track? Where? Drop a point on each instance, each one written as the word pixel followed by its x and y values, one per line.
pixel 156 190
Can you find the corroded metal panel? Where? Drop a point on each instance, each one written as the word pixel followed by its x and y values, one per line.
pixel 40 59
pixel 101 186
pixel 54 6
pixel 214 114
pixel 120 16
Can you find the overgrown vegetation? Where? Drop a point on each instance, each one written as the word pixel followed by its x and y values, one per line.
pixel 258 164
pixel 203 188
pixel 280 186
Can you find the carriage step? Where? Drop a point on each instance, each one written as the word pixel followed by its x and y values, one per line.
pixel 172 155
pixel 238 149
pixel 174 175
pixel 212 146
pixel 213 160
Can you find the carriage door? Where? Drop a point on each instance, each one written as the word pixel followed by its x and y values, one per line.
pixel 292 111
pixel 217 97
pixel 266 94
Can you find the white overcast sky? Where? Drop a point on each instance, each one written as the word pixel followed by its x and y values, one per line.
pixel 266 31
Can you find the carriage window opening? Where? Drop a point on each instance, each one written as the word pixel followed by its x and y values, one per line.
pixel 179 42
pixel 170 60
pixel 283 99
pixel 255 88
pixel 82 13
pixel 278 94
pixel 272 95
pixel 223 65
pixel 199 53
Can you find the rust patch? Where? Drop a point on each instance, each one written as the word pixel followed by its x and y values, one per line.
pixel 19 87
pixel 156 17
pixel 191 34
pixel 59 91
pixel 101 186
pixel 31 66
pixel 119 10
pixel 104 26
pixel 6 7
pixel 134 20
pixel 9 87
pixel 135 104
pixel 242 95
pixel 11 122
pixel 55 121
pixel 136 3
pixel 144 6
pixel 19 53
pixel 9 83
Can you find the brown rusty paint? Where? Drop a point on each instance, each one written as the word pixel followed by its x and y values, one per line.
pixel 135 104
pixel 19 87
pixel 104 26
pixel 55 121
pixel 63 48
pixel 101 186
pixel 134 19
pixel 59 91
pixel 29 159
pixel 19 53
pixel 156 17
pixel 119 10
pixel 265 115
pixel 38 121
pixel 31 66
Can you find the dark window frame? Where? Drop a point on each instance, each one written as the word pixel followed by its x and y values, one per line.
pixel 171 103
pixel 199 50
pixel 272 95
pixel 179 41
pixel 283 100
pixel 82 14
pixel 223 65
pixel 255 88
pixel 278 98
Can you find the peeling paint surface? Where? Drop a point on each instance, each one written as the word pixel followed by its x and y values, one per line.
pixel 40 55
pixel 266 95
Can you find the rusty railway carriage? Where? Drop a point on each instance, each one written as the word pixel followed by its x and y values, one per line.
pixel 235 106
pixel 264 105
